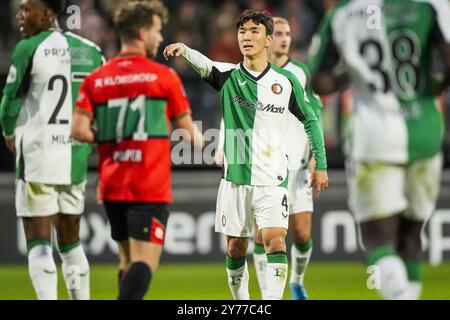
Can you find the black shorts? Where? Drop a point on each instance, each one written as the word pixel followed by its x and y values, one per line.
pixel 144 221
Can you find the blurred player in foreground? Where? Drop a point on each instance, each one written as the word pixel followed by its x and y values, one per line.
pixel 257 98
pixel 36 113
pixel 394 159
pixel 131 101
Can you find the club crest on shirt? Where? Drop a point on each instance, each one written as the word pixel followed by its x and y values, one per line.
pixel 277 88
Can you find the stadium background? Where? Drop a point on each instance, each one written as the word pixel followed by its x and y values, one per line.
pixel 209 27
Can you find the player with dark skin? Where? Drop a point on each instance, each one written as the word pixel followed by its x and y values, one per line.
pixel 33 17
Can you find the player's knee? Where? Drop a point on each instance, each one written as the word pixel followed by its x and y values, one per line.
pixel 67 238
pixel 236 248
pixel 67 229
pixel 259 238
pixel 302 237
pixel 300 234
pixel 275 244
pixel 410 246
pixel 236 251
pixel 409 243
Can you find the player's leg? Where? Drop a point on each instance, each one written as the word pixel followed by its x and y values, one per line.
pixel 300 225
pixel 422 188
pixel 237 268
pixel 117 216
pixel 75 266
pixel 145 258
pixel 300 211
pixel 409 248
pixel 35 204
pixel 277 262
pixel 376 198
pixel 41 265
pixel 270 205
pixel 146 230
pixel 260 261
pixel 124 260
pixel 234 218
pixel 379 238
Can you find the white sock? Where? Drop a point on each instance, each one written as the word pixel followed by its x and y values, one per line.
pixel 299 262
pixel 415 289
pixel 42 270
pixel 394 280
pixel 75 267
pixel 276 274
pixel 260 260
pixel 238 282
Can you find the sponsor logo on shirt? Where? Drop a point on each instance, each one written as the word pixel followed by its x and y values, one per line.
pixel 273 109
pixel 257 105
pixel 125 79
pixel 77 55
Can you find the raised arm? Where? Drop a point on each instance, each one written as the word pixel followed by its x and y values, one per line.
pixel 200 63
pixel 215 73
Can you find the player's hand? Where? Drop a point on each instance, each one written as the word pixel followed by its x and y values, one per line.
pixel 319 182
pixel 174 50
pixel 11 144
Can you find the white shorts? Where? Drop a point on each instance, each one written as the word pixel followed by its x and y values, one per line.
pixel 379 190
pixel 300 195
pixel 41 200
pixel 239 205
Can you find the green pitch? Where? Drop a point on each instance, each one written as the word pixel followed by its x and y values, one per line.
pixel 324 280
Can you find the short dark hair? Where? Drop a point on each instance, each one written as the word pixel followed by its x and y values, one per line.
pixel 57 6
pixel 258 17
pixel 134 15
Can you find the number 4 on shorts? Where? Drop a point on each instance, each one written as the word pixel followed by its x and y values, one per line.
pixel 284 203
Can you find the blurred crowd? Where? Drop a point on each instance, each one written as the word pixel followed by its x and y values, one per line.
pixel 206 25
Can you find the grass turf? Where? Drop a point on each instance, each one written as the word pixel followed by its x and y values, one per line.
pixel 324 280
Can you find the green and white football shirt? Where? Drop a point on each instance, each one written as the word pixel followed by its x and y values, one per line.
pixel 256 113
pixel 38 99
pixel 386 47
pixel 298 146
